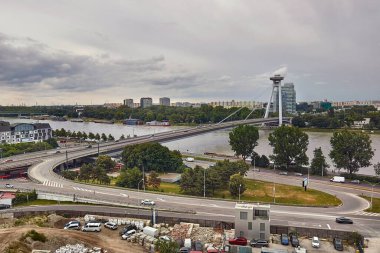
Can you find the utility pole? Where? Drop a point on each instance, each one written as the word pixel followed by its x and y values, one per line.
pixel 67 160
pixel 143 179
pixel 98 148
pixel 204 182
pixel 322 169
pixel 239 191
pixel 274 185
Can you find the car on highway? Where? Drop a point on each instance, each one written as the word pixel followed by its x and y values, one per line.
pixel 9 186
pixel 128 234
pixel 259 243
pixel 110 225
pixel 298 174
pixel 294 241
pixel 315 242
pixel 147 202
pixel 355 181
pixel 242 241
pixel 284 239
pixel 89 146
pixel 344 220
pixel 338 244
pixel 127 228
pixel 283 173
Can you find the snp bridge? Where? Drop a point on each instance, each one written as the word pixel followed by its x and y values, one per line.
pixel 43 171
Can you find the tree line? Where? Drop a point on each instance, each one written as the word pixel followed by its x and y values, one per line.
pixel 350 150
pixel 83 135
pixel 26 147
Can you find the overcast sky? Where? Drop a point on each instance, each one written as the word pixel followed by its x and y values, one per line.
pixel 92 51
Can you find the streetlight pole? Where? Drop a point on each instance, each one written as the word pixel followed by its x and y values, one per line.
pixel 274 185
pixel 98 148
pixel 143 179
pixel 239 191
pixel 138 190
pixel 204 182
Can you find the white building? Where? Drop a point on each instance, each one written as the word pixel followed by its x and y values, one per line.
pixel 128 102
pixel 361 123
pixel 252 221
pixel 25 132
pixel 165 101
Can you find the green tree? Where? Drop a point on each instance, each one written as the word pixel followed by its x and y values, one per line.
pixel 104 137
pixel 110 137
pixel 52 142
pixel 122 137
pixel 236 185
pixel 376 167
pixel 97 136
pixel 130 178
pixel 86 172
pixel 298 122
pixel 91 136
pixel 105 162
pixel 243 139
pixel 289 146
pixel 69 174
pixel 154 181
pixel 167 246
pixel 319 163
pixel 351 150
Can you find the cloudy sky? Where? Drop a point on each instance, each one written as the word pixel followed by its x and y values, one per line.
pixel 93 51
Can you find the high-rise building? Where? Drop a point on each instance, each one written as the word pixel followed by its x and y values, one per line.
pixel 165 101
pixel 128 102
pixel 146 102
pixel 288 99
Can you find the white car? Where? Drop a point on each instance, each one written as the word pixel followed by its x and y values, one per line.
pixel 9 186
pixel 315 242
pixel 111 225
pixel 128 234
pixel 147 202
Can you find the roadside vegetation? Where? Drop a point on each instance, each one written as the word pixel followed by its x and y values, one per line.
pixel 26 147
pixel 376 204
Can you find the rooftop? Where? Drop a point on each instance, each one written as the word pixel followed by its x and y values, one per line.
pixel 249 206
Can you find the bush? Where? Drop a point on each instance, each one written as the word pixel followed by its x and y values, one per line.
pixel 24 197
pixel 35 236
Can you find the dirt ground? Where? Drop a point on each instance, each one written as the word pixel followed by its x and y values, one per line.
pixel 107 239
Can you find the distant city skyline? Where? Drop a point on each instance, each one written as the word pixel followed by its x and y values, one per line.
pixel 54 53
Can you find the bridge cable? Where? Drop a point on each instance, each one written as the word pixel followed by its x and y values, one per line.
pixel 230 115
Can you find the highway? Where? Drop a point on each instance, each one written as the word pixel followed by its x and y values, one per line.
pixel 42 174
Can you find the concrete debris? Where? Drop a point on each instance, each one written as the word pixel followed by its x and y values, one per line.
pixel 79 248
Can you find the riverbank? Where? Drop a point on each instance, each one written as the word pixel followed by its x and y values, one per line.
pixel 332 130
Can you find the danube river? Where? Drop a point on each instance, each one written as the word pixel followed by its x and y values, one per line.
pixel 216 142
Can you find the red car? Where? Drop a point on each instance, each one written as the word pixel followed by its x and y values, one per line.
pixel 238 241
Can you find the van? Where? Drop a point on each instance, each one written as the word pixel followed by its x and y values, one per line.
pixel 92 227
pixel 187 243
pixel 337 179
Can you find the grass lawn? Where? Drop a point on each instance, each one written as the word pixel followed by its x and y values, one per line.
pixel 45 202
pixel 263 192
pixel 375 203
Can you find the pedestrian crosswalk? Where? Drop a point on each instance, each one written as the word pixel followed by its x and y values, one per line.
pixel 52 184
pixel 367 213
pixel 82 189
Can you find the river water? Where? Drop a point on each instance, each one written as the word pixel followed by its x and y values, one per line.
pixel 216 142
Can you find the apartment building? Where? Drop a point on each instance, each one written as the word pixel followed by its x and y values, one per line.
pixel 25 132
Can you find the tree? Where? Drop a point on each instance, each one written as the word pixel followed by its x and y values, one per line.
pixel 110 137
pixel 105 162
pixel 236 185
pixel 319 164
pixel 351 150
pixel 289 146
pixel 97 137
pixel 104 137
pixel 130 178
pixel 85 172
pixel 91 136
pixel 167 246
pixel 298 122
pixel 122 137
pixel 52 142
pixel 243 139
pixel 377 169
pixel 154 181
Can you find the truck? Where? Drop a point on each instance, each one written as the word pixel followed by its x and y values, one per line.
pixel 150 231
pixel 189 159
pixel 337 179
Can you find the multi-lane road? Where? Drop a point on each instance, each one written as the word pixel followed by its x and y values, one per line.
pixel 44 179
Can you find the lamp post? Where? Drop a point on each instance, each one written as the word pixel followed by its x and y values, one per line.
pixel 138 190
pixel 274 184
pixel 239 191
pixel 204 182
pixel 98 147
pixel 372 186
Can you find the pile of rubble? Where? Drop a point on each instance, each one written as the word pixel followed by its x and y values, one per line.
pixel 79 248
pixel 143 240
pixel 206 235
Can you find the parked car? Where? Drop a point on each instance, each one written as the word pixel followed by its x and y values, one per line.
pixel 283 173
pixel 126 229
pixel 184 250
pixel 110 225
pixel 355 181
pixel 89 146
pixel 72 222
pixel 298 174
pixel 165 238
pixel 315 242
pixel 75 226
pixel 294 241
pixel 338 244
pixel 344 220
pixel 92 227
pixel 238 241
pixel 128 234
pixel 259 243
pixel 9 186
pixel 284 239
pixel 198 246
pixel 147 202
pixel 4 206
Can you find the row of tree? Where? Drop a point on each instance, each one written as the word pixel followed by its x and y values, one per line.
pixel 83 135
pixel 220 176
pixel 350 150
pixel 26 147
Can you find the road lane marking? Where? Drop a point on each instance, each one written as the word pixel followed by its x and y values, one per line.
pixel 124 195
pixel 328 226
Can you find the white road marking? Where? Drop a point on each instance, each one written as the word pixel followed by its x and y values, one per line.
pixel 328 226
pixel 161 199
pixel 124 195
pixel 52 184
